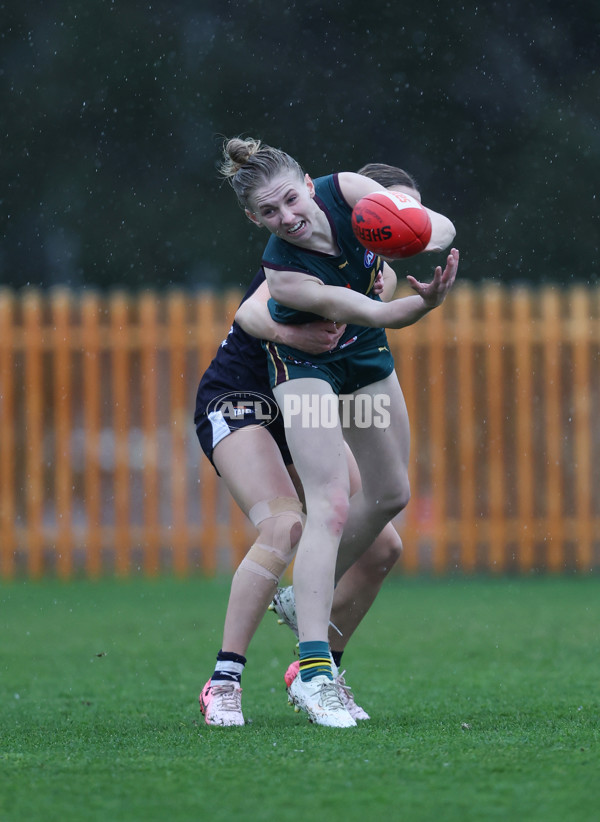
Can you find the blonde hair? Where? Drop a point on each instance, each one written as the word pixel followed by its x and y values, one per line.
pixel 248 164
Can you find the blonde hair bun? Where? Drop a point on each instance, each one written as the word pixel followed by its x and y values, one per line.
pixel 236 153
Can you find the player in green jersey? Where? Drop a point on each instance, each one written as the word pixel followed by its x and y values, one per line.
pixel 308 252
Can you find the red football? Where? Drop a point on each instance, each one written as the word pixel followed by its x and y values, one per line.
pixel 392 224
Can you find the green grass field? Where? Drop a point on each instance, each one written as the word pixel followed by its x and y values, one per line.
pixel 484 697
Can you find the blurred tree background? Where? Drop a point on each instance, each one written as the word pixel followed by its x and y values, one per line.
pixel 114 112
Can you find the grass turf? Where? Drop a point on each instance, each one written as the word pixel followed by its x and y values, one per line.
pixel 483 696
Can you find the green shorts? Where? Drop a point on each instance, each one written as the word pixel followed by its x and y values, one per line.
pixel 345 375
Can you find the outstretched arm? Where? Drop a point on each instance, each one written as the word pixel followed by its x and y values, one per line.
pixel 442 231
pixel 307 293
pixel 314 338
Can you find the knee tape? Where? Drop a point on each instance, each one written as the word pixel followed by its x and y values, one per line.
pixel 273 508
pixel 264 561
pixel 280 523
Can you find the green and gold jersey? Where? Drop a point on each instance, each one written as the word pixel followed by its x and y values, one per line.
pixel 354 267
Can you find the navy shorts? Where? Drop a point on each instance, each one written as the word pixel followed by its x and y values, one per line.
pixel 221 412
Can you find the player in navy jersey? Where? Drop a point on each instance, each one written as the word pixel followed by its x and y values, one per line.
pixel 351 372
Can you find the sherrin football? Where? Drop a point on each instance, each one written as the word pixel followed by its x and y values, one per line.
pixel 392 224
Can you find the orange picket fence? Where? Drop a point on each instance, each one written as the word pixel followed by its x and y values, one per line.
pixel 101 472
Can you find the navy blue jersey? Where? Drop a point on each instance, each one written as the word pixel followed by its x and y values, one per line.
pixel 238 372
pixel 354 267
pixel 240 363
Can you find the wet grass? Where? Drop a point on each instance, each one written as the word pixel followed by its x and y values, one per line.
pixel 483 695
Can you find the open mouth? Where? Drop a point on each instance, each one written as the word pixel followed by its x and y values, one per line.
pixel 297 227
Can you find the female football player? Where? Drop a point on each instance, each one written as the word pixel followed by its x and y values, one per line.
pixel 280 188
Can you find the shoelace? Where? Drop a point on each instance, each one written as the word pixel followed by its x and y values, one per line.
pixel 329 696
pixel 230 698
pixel 346 694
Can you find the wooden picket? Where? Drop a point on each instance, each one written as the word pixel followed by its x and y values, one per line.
pixel 8 542
pixel 91 347
pixel 101 473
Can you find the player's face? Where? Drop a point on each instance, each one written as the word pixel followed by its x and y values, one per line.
pixel 285 206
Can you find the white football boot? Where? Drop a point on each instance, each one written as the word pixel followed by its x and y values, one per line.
pixel 284 606
pixel 345 691
pixel 320 698
pixel 347 697
pixel 221 703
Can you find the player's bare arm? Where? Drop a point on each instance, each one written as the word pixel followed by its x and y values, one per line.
pixel 313 338
pixel 355 186
pixel 385 283
pixel 306 293
pixel 442 231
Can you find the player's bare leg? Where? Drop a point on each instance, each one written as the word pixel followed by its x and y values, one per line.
pixel 357 589
pixel 355 592
pixel 382 457
pixel 321 462
pixel 319 455
pixel 251 589
pixel 359 585
pixel 272 504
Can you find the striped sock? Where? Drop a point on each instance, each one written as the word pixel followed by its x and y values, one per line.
pixel 314 660
pixel 229 667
